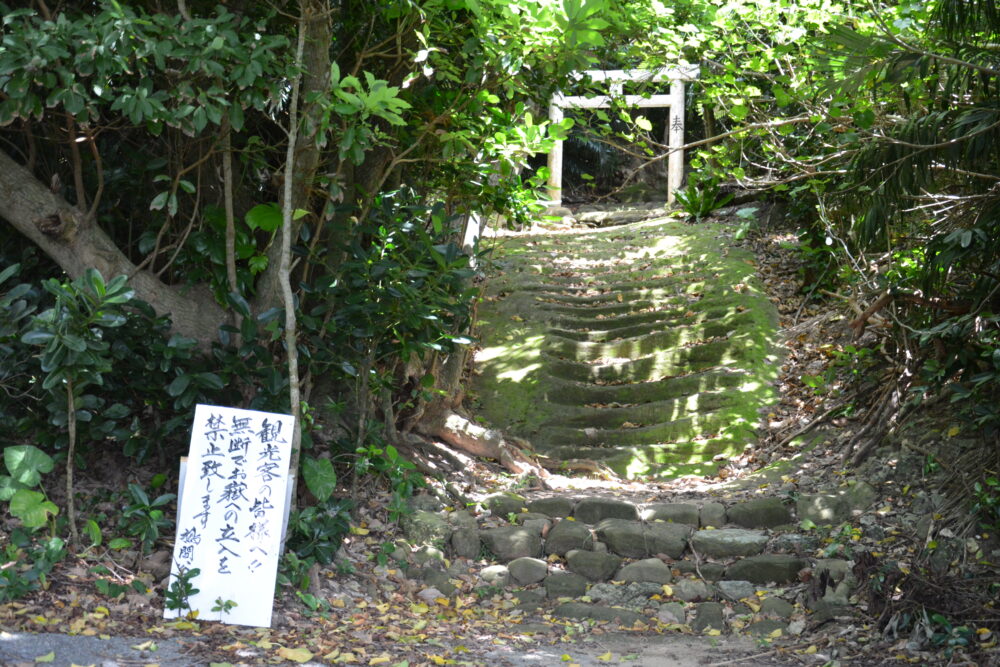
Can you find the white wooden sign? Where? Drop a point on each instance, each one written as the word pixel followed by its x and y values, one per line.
pixel 233 501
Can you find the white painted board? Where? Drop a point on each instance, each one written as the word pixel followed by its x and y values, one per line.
pixel 234 501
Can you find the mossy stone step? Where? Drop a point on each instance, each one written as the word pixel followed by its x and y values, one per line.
pixel 571 393
pixel 646 413
pixel 663 363
pixel 657 317
pixel 646 344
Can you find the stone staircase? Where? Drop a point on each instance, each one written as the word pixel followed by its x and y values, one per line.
pixel 706 566
pixel 647 347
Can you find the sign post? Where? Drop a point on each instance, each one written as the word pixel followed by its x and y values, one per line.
pixel 231 511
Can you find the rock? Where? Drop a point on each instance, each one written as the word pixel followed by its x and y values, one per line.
pixel 556 507
pixel 766 628
pixel 776 608
pixel 708 616
pixel 632 595
pixel 671 513
pixel 650 569
pixel 425 502
pixel 465 536
pixel 778 568
pixel 667 538
pixel 495 575
pixel 524 517
pixel 633 539
pixel 565 585
pixel 465 542
pixel 760 513
pixel 157 564
pixel 594 510
pixel 860 495
pixel 424 527
pixel 512 542
pixel 527 571
pixel 623 537
pixel 833 508
pixel 736 590
pixel 795 543
pixel 567 535
pixel 712 514
pixel 439 580
pixel 529 596
pixel 672 612
pixel 557 211
pixel 729 542
pixel 708 571
pixel 428 556
pixel 691 590
pixel 504 504
pixel 429 595
pixel 822 509
pixel 592 565
pixel 625 617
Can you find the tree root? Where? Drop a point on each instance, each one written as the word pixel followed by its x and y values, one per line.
pixel 471 438
pixel 578 465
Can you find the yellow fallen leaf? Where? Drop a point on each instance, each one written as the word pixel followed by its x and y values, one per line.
pixel 605 657
pixel 777 633
pixel 102 610
pixel 565 657
pixel 48 657
pixel 295 654
pixel 346 657
pixel 812 649
pixel 714 632
pixel 667 590
pixel 355 530
pixel 338 603
pixel 954 430
pixel 419 608
pixel 380 659
pixel 146 646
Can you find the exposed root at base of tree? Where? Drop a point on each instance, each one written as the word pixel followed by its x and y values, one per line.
pixel 476 440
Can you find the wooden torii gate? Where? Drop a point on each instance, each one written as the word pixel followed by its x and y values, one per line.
pixel 616 80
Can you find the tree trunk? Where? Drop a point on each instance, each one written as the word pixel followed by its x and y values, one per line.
pixel 315 80
pixel 76 243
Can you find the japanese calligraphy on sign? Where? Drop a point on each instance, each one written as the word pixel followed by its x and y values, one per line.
pixel 233 504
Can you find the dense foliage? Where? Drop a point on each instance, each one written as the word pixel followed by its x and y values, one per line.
pixel 154 143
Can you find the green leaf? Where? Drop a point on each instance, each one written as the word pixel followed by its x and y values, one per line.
pixel 32 508
pixel 179 385
pixel 8 487
pixel 120 543
pixel 93 532
pixel 159 201
pixel 27 463
pixel 643 124
pixel 264 216
pixel 319 476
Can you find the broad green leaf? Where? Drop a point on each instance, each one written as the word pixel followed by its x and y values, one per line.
pixel 32 508
pixel 27 463
pixel 319 476
pixel 264 216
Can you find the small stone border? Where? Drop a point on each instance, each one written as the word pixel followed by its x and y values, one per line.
pixel 671 563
